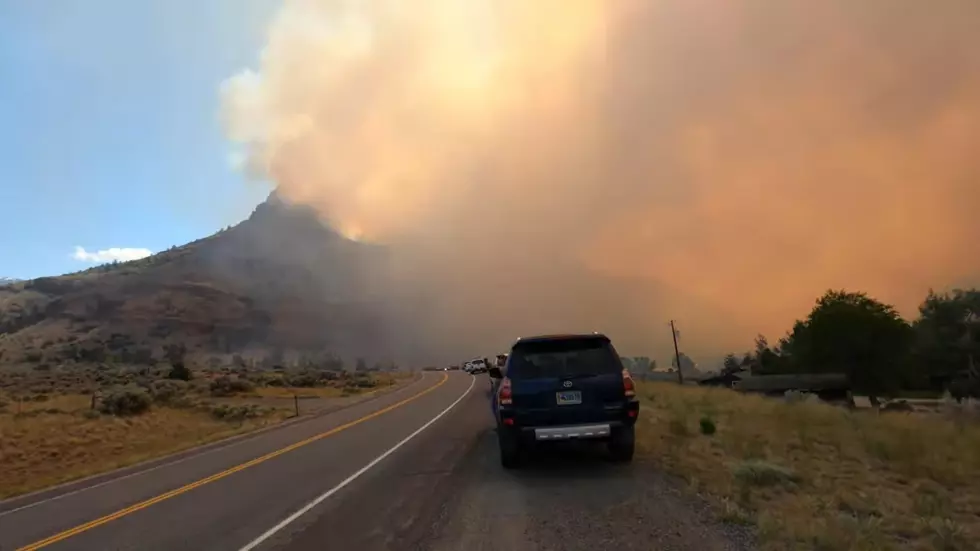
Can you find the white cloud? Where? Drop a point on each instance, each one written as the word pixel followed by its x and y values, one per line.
pixel 110 255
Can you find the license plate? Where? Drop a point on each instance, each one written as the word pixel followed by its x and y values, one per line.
pixel 569 397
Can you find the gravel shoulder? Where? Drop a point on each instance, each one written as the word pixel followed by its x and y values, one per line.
pixel 570 499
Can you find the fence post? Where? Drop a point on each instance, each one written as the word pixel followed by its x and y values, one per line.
pixel 296 403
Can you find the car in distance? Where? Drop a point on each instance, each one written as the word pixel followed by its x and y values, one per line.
pixel 478 365
pixel 563 387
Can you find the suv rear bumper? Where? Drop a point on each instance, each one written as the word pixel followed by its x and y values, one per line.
pixel 570 432
pixel 602 426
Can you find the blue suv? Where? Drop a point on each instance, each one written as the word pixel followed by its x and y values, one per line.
pixel 563 387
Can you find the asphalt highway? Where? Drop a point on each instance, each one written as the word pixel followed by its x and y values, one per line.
pixel 413 469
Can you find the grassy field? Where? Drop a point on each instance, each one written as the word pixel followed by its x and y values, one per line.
pixel 813 476
pixel 46 439
pixel 53 442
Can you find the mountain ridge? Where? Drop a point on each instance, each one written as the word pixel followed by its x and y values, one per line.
pixel 281 279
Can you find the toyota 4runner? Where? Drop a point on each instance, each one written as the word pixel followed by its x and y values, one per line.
pixel 563 387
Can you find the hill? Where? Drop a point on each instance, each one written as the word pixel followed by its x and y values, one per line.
pixel 281 279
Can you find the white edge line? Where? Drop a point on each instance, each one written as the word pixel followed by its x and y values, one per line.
pixel 324 496
pixel 202 453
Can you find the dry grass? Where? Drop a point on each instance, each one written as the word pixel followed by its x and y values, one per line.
pixel 814 476
pixel 289 392
pixel 48 439
pixel 61 439
pixel 336 389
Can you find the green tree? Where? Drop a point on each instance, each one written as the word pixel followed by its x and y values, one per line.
pixel 854 334
pixel 948 339
pixel 730 364
pixel 766 360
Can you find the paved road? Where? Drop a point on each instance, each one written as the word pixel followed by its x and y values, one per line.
pixel 414 469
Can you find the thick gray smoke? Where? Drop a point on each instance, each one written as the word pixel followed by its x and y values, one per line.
pixel 556 165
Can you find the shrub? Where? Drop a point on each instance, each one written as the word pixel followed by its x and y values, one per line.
pixel 226 412
pixel 302 380
pixel 226 386
pixel 947 534
pixel 365 382
pixel 179 372
pixel 125 401
pixel 760 473
pixel 707 426
pixel 166 391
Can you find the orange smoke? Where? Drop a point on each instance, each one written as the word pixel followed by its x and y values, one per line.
pixel 587 164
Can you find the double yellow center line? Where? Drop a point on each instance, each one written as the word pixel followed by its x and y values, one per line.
pixel 184 489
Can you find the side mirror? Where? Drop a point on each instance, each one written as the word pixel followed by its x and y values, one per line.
pixel 495 373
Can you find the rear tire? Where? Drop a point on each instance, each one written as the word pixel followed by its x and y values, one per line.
pixel 510 450
pixel 622 443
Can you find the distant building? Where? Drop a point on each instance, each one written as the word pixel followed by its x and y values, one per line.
pixel 726 380
pixel 830 387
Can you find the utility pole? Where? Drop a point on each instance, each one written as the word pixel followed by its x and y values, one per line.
pixel 677 354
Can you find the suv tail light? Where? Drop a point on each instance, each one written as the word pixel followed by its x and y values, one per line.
pixel 629 389
pixel 504 396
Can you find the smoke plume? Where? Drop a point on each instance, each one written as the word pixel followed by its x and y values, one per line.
pixel 555 165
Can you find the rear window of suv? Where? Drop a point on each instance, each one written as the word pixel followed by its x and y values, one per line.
pixel 563 358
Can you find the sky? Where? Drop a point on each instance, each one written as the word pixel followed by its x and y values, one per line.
pixel 110 138
pixel 717 162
